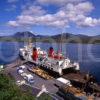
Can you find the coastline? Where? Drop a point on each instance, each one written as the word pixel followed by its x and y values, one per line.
pixel 44 41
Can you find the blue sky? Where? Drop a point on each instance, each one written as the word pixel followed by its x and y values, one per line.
pixel 49 17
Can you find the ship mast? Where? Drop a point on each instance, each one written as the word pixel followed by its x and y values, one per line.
pixel 34 39
pixel 61 40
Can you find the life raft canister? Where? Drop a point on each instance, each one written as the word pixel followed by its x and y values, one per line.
pixel 35 54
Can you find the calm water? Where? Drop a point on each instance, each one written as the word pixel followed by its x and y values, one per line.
pixel 87 55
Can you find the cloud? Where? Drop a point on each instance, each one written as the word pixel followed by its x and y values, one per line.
pixel 57 2
pixel 84 7
pixel 77 13
pixel 73 12
pixel 77 9
pixel 36 10
pixel 13 23
pixel 1 34
pixel 12 1
pixel 36 15
pixel 11 8
pixel 49 20
pixel 88 21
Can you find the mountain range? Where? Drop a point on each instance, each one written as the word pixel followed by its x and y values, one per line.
pixel 65 37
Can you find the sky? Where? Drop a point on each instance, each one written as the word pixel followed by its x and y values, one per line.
pixel 50 17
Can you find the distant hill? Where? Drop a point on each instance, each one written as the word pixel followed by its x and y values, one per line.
pixel 65 37
pixel 71 37
pixel 27 34
pixel 23 34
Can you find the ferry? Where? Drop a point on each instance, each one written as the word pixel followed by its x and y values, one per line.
pixel 58 63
